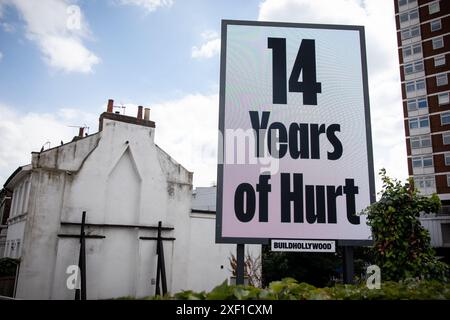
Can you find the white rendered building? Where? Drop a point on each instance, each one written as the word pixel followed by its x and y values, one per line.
pixel 126 184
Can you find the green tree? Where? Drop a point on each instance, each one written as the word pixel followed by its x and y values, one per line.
pixel 402 246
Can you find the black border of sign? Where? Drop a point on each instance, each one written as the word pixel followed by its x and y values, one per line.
pixel 223 53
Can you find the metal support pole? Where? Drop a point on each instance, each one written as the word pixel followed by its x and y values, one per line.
pixel 240 251
pixel 162 263
pixel 348 264
pixel 80 294
pixel 158 264
pixel 161 269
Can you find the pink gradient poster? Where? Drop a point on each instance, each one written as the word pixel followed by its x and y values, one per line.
pixel 295 153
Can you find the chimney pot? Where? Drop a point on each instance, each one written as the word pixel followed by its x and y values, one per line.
pixel 139 114
pixel 110 106
pixel 147 114
pixel 81 132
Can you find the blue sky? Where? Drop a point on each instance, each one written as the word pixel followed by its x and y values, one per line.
pixel 145 56
pixel 163 54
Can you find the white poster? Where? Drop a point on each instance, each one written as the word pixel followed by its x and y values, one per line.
pixel 295 124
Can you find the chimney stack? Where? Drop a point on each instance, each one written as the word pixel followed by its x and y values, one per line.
pixel 147 114
pixel 110 106
pixel 139 114
pixel 81 132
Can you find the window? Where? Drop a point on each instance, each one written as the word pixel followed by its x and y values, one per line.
pixel 415 32
pixel 443 98
pixel 422 162
pixel 422 122
pixel 413 14
pixel 401 2
pixel 420 142
pixel 414 123
pixel 410 50
pixel 445 118
pixel 441 80
pixel 410 33
pixel 418 66
pixel 417 48
pixel 447 159
pixel 407 51
pixel 409 68
pixel 424 182
pixel 404 17
pixel 435 25
pixel 439 61
pixel 412 105
pixel 415 85
pixel 420 84
pixel 427 161
pixel 433 7
pixel 417 162
pixel 422 103
pixel 413 67
pixel 446 138
pixel 409 16
pixel 438 43
pixel 406 34
pixel 448 180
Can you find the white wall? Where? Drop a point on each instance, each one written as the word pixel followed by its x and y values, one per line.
pixel 209 262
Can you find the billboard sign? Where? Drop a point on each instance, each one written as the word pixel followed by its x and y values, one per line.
pixel 295 154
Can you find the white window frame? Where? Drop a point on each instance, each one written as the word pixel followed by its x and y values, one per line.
pixel 419 82
pixel 447 159
pixel 442 100
pixel 439 61
pixel 435 41
pixel 422 99
pixel 430 157
pixel 415 46
pixel 446 135
pixel 441 79
pixel 420 140
pixel 435 25
pixel 410 86
pixel 422 160
pixel 419 122
pixel 434 7
pixel 445 114
pixel 422 181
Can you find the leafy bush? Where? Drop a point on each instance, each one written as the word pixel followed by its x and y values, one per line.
pixel 402 246
pixel 290 289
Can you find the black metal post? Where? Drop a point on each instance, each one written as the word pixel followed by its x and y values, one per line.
pixel 240 251
pixel 158 264
pixel 161 269
pixel 348 268
pixel 80 294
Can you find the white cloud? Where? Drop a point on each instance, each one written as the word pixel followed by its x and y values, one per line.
pixel 149 5
pixel 48 24
pixel 210 48
pixel 23 133
pixel 1 56
pixel 384 81
pixel 187 129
